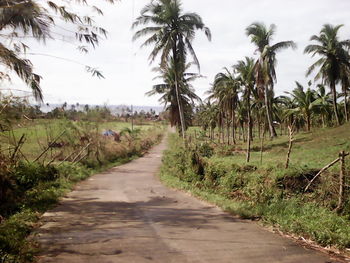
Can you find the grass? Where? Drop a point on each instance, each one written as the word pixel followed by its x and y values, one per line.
pixel 313 149
pixel 33 188
pixel 40 132
pixel 268 191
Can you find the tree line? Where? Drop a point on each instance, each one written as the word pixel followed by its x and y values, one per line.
pixel 242 96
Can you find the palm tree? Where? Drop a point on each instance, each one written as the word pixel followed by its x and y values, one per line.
pixel 305 101
pixel 323 103
pixel 208 115
pixel 334 59
pixel 169 97
pixel 225 92
pixel 265 74
pixel 172 33
pixel 245 70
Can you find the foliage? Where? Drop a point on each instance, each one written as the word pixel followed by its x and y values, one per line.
pixel 269 191
pixel 334 60
pixel 172 33
pixel 28 188
pixel 21 20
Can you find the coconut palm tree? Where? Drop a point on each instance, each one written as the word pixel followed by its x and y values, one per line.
pixel 171 32
pixel 305 101
pixel 245 71
pixel 323 103
pixel 169 97
pixel 225 92
pixel 333 59
pixel 265 74
pixel 208 115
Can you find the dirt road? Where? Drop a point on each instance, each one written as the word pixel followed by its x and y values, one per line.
pixel 127 215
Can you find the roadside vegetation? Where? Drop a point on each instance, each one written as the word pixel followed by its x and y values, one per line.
pixel 267 191
pixel 283 159
pixel 42 158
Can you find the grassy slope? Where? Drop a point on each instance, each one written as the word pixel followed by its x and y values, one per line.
pixel 313 149
pixel 292 215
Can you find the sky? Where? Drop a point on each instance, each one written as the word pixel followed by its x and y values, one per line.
pixel 128 74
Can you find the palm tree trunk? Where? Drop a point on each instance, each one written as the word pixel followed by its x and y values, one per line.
pixel 346 104
pixel 228 130
pixel 308 122
pixel 323 121
pixel 223 127
pixel 273 133
pixel 181 111
pixel 335 106
pixel 233 125
pixel 259 127
pixel 249 127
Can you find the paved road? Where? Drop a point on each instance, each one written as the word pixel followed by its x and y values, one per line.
pixel 127 215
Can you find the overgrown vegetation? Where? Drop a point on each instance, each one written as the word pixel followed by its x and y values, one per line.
pixel 41 162
pixel 219 173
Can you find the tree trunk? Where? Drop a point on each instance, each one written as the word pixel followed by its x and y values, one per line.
pixel 262 146
pixel 249 127
pixel 346 104
pixel 223 127
pixel 308 122
pixel 243 132
pixel 323 121
pixel 273 133
pixel 335 106
pixel 233 125
pixel 228 131
pixel 181 111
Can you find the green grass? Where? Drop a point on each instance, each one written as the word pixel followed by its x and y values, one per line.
pixel 313 149
pixel 40 132
pixel 268 191
pixel 34 188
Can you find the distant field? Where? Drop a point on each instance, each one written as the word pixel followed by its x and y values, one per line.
pixel 40 132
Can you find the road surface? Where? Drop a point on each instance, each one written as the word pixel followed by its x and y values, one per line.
pixel 127 215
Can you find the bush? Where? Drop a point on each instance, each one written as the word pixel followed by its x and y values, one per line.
pixel 28 175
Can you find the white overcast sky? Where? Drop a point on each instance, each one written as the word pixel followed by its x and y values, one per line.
pixel 126 68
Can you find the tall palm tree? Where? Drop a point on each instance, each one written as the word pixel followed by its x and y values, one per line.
pixel 334 58
pixel 265 73
pixel 169 95
pixel 171 32
pixel 245 70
